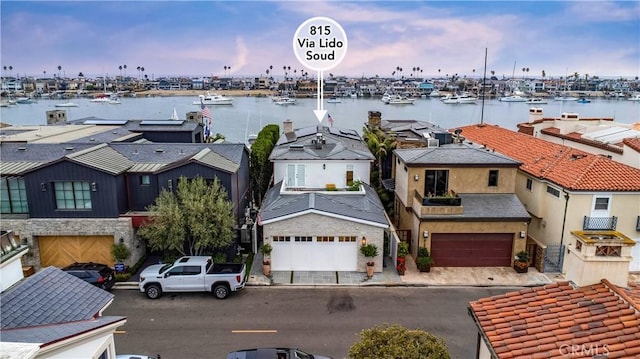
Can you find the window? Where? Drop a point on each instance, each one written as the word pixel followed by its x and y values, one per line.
pixel 192 270
pixel 13 195
pixel 295 176
pixel 347 239
pixel 493 178
pixel 553 191
pixel 436 182
pixel 281 239
pixel 529 184
pixel 602 203
pixel 324 239
pixel 145 180
pixel 72 195
pixel 303 238
pixel 349 175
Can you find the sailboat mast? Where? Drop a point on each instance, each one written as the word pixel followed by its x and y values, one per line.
pixel 484 80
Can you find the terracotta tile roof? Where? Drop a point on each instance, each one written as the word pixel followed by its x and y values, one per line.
pixel 563 165
pixel 543 322
pixel 633 143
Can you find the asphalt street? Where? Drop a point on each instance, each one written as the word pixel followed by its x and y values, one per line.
pixel 318 320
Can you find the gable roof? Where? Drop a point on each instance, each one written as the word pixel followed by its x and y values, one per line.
pixel 563 165
pixel 365 208
pixel 339 144
pixel 454 155
pixel 52 305
pixel 539 322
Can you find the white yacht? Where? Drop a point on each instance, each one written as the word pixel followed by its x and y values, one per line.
pixel 213 99
pixel 536 100
pixel 459 99
pixel 513 98
pixel 284 101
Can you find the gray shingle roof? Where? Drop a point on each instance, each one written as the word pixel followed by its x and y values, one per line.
pixel 365 207
pixel 56 332
pixel 340 144
pixel 487 207
pixel 453 155
pixel 103 158
pixel 50 296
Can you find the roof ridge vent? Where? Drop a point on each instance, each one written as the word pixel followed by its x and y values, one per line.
pixel 159 150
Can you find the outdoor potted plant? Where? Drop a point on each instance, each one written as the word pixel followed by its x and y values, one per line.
pixel 266 249
pixel 120 253
pixel 403 251
pixel 424 261
pixel 521 262
pixel 370 251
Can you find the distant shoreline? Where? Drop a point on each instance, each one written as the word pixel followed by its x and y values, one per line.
pixel 195 93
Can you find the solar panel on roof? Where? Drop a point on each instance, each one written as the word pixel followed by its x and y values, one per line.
pixel 161 123
pixel 105 122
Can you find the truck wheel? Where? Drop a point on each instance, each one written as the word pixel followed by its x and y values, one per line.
pixel 221 291
pixel 153 291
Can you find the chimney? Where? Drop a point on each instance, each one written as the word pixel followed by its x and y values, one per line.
pixel 596 254
pixel 319 141
pixel 375 119
pixel 287 125
pixel 535 114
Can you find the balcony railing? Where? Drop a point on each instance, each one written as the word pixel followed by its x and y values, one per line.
pixel 437 205
pixel 599 223
pixel 439 200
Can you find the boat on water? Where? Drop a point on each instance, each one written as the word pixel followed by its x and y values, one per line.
pixel 284 101
pixel 400 100
pixel 333 99
pixel 101 99
pixel 67 104
pixel 25 100
pixel 635 97
pixel 114 101
pixel 536 100
pixel 213 99
pixel 583 100
pixel 434 93
pixel 513 98
pixel 459 99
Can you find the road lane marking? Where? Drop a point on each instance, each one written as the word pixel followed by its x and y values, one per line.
pixel 254 331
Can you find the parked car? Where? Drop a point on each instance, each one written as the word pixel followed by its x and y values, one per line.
pixel 273 353
pixel 100 275
pixel 135 356
pixel 193 274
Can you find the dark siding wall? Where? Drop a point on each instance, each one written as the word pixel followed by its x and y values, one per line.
pixel 141 196
pixel 42 204
pixel 192 170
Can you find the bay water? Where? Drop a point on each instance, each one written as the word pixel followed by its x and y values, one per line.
pixel 249 114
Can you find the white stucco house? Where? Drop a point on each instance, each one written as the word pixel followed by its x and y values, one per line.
pixel 321 208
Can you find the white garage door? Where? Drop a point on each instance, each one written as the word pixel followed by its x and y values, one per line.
pixel 314 254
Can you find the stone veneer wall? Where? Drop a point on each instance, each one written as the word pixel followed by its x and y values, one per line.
pixel 27 229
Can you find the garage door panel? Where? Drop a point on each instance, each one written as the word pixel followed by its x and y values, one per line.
pixel 60 251
pixel 471 250
pixel 314 256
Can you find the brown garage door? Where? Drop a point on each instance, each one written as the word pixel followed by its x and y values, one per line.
pixel 60 251
pixel 472 249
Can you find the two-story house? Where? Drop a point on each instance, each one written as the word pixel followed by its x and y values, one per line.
pixel 566 191
pixel 321 210
pixel 458 201
pixel 72 200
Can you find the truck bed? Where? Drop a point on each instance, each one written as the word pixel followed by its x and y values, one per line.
pixel 221 268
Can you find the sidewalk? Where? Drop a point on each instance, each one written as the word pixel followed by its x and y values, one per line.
pixel 439 276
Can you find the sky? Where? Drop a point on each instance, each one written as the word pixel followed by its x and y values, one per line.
pixel 245 38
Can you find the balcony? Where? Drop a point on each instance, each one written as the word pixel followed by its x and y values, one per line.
pixel 441 205
pixel 599 223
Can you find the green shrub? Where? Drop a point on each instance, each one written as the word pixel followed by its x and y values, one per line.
pixel 423 252
pixel 220 258
pixel 398 342
pixel 123 277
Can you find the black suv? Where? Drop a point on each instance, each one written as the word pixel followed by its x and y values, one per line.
pixel 100 275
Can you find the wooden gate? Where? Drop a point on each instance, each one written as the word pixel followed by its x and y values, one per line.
pixel 60 251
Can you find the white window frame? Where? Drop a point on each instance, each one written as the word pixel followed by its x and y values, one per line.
pixel 295 175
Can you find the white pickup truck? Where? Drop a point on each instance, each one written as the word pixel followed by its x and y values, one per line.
pixel 192 274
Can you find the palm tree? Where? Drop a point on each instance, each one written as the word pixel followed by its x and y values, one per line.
pixel 225 70
pixel 59 69
pixel 120 68
pixel 380 144
pixel 125 70
pixel 543 74
pixel 142 69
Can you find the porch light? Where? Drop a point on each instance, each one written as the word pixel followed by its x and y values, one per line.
pixel 425 234
pixel 364 241
pixel 416 177
pixel 522 234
